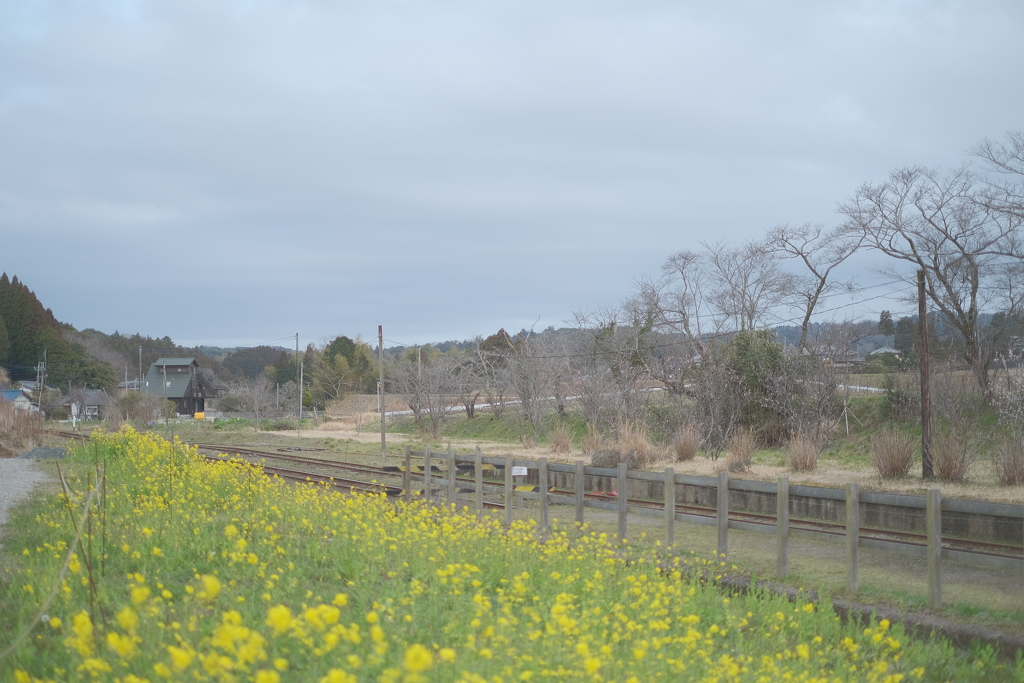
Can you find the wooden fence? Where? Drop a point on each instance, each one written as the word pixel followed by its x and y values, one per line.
pixel 852 497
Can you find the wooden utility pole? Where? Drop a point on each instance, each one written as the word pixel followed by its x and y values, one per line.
pixel 140 368
pixel 380 393
pixel 927 470
pixel 298 424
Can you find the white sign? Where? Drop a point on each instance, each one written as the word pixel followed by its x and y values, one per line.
pixel 518 471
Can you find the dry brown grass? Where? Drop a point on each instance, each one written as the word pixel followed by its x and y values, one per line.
pixel 740 451
pixel 592 441
pixel 560 439
pixel 951 457
pixel 632 438
pixel 892 453
pixel 1008 461
pixel 19 430
pixel 803 453
pixel 686 444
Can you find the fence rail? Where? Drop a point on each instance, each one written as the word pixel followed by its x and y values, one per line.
pixel 781 525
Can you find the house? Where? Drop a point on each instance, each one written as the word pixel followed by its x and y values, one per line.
pixel 21 399
pixel 182 381
pixel 889 350
pixel 87 404
pixel 123 388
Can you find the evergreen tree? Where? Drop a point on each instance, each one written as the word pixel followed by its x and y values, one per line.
pixel 5 342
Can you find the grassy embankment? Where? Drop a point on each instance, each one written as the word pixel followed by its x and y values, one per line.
pixel 188 570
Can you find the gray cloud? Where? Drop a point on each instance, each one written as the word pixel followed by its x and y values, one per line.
pixel 232 172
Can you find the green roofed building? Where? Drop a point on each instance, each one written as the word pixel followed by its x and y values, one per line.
pixel 182 381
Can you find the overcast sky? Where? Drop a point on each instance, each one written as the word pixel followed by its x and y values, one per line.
pixel 231 173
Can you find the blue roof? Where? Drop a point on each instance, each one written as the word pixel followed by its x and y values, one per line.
pixel 10 394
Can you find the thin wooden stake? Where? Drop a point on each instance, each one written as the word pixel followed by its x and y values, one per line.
pixel 852 537
pixel 508 490
pixel 407 474
pixel 623 495
pixel 723 516
pixel 478 480
pixel 782 526
pixel 670 506
pixel 543 480
pixel 578 482
pixel 934 531
pixel 453 500
pixel 426 475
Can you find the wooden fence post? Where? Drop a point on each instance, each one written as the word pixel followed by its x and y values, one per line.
pixel 852 537
pixel 623 494
pixel 453 489
pixel 782 526
pixel 426 475
pixel 478 473
pixel 934 530
pixel 723 515
pixel 543 479
pixel 407 475
pixel 578 482
pixel 508 490
pixel 670 506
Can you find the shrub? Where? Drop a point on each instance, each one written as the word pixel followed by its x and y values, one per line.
pixel 632 440
pixel 1008 460
pixel 741 449
pixel 561 439
pixel 686 444
pixel 951 456
pixel 19 430
pixel 592 441
pixel 803 453
pixel 899 402
pixel 892 453
pixel 279 425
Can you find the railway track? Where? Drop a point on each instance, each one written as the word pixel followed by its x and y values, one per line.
pixel 345 483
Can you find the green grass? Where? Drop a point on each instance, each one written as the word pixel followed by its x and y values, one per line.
pixel 214 572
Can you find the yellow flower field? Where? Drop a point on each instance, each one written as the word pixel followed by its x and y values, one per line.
pixel 187 570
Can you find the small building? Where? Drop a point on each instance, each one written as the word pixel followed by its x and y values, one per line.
pixel 887 349
pixel 21 399
pixel 182 381
pixel 87 404
pixel 123 388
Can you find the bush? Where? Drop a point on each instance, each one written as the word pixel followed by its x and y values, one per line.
pixel 892 453
pixel 1008 460
pixel 277 426
pixel 741 449
pixel 803 454
pixel 632 440
pixel 592 441
pixel 561 439
pixel 899 402
pixel 951 456
pixel 686 444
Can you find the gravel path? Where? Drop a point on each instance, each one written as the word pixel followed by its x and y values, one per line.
pixel 18 477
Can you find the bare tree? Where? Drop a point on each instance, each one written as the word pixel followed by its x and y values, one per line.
pixel 941 224
pixel 1005 194
pixel 748 283
pixel 527 364
pixel 252 396
pixel 428 389
pixel 492 361
pixel 820 252
pixel 468 382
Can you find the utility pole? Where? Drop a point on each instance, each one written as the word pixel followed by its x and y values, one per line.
pixel 298 415
pixel 298 424
pixel 419 365
pixel 380 393
pixel 927 470
pixel 140 368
